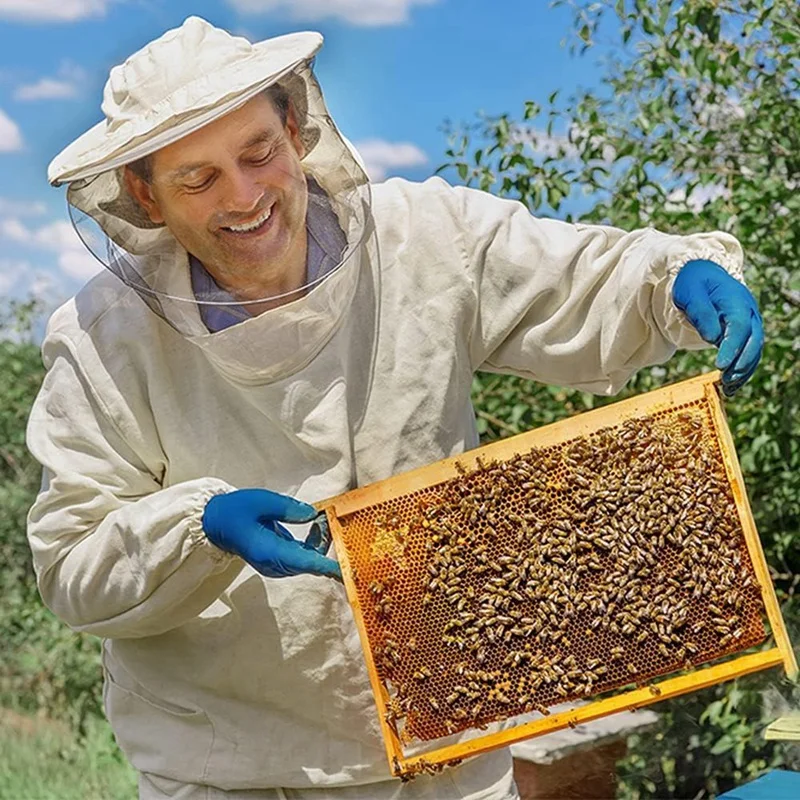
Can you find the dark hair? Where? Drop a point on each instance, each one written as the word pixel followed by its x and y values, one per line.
pixel 280 100
pixel 276 94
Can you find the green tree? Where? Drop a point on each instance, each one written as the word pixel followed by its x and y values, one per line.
pixel 696 127
pixel 43 664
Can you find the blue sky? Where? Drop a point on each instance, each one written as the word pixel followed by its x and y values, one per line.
pixel 392 72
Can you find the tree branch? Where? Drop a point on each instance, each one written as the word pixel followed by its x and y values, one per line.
pixel 497 422
pixel 791 297
pixel 773 20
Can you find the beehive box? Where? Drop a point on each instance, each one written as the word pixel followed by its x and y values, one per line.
pixel 590 556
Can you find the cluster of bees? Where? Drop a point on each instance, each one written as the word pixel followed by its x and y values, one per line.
pixel 560 573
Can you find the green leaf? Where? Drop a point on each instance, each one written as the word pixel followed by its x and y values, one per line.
pixel 704 19
pixel 554 197
pixel 724 744
pixel 517 412
pixel 666 10
pixel 714 29
pixel 711 712
pixel 531 109
pixel 768 9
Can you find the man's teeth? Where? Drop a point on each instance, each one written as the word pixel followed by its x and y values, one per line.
pixel 252 225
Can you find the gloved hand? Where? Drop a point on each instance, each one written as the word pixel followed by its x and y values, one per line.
pixel 246 522
pixel 725 314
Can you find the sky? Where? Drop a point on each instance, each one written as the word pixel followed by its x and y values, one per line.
pixel 393 71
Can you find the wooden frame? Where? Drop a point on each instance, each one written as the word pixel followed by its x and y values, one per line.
pixel 704 387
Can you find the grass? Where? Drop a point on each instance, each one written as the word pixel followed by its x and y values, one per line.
pixel 41 760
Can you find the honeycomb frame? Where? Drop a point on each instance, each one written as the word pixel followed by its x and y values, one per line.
pixel 427 691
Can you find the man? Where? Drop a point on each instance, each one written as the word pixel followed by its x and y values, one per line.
pixel 272 331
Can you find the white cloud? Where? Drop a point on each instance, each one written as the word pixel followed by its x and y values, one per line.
pixel 718 115
pixel 544 143
pixel 63 86
pixel 356 12
pixel 51 10
pixel 552 145
pixel 21 208
pixel 13 229
pixel 10 272
pixel 10 136
pixel 382 157
pixel 700 196
pixel 45 286
pixel 21 279
pixel 59 237
pixel 79 264
pixel 46 89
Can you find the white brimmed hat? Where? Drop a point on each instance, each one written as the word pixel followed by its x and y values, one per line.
pixel 178 83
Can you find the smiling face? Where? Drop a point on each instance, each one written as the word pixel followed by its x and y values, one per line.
pixel 235 196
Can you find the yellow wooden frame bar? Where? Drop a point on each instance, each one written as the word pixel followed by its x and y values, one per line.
pixel 392 743
pixel 636 698
pixel 750 533
pixel 702 387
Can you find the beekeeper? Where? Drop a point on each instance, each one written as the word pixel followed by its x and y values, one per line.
pixel 272 330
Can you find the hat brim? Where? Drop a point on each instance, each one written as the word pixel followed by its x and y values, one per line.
pixel 101 149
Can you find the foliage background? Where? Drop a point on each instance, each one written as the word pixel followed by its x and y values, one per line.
pixel 699 129
pixel 43 665
pixel 45 668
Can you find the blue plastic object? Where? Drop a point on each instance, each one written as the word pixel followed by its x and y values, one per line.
pixel 725 314
pixel 780 784
pixel 246 522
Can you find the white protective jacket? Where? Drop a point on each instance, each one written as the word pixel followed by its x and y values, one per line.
pixel 215 674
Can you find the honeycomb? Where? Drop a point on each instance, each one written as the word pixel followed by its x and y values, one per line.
pixel 558 574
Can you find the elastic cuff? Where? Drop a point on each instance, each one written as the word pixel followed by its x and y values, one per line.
pixel 197 536
pixel 717 246
pixel 730 262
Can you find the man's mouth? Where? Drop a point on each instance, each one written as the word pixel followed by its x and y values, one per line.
pixel 255 226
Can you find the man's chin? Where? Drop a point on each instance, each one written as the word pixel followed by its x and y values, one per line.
pixel 252 277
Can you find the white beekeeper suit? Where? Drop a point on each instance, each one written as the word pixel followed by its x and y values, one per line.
pixel 218 681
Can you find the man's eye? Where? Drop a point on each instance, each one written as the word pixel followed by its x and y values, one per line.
pixel 194 187
pixel 263 157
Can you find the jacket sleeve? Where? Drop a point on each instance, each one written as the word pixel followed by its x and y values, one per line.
pixel 576 305
pixel 115 554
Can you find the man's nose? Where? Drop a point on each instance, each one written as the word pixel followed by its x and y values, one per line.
pixel 242 193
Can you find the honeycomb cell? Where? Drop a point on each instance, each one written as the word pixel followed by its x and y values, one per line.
pixel 563 572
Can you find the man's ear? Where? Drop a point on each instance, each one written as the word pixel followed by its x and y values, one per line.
pixel 142 193
pixel 294 132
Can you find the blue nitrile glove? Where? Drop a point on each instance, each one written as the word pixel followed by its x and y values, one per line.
pixel 246 522
pixel 725 314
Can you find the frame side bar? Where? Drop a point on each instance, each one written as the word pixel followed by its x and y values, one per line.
pixel 394 750
pixel 750 533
